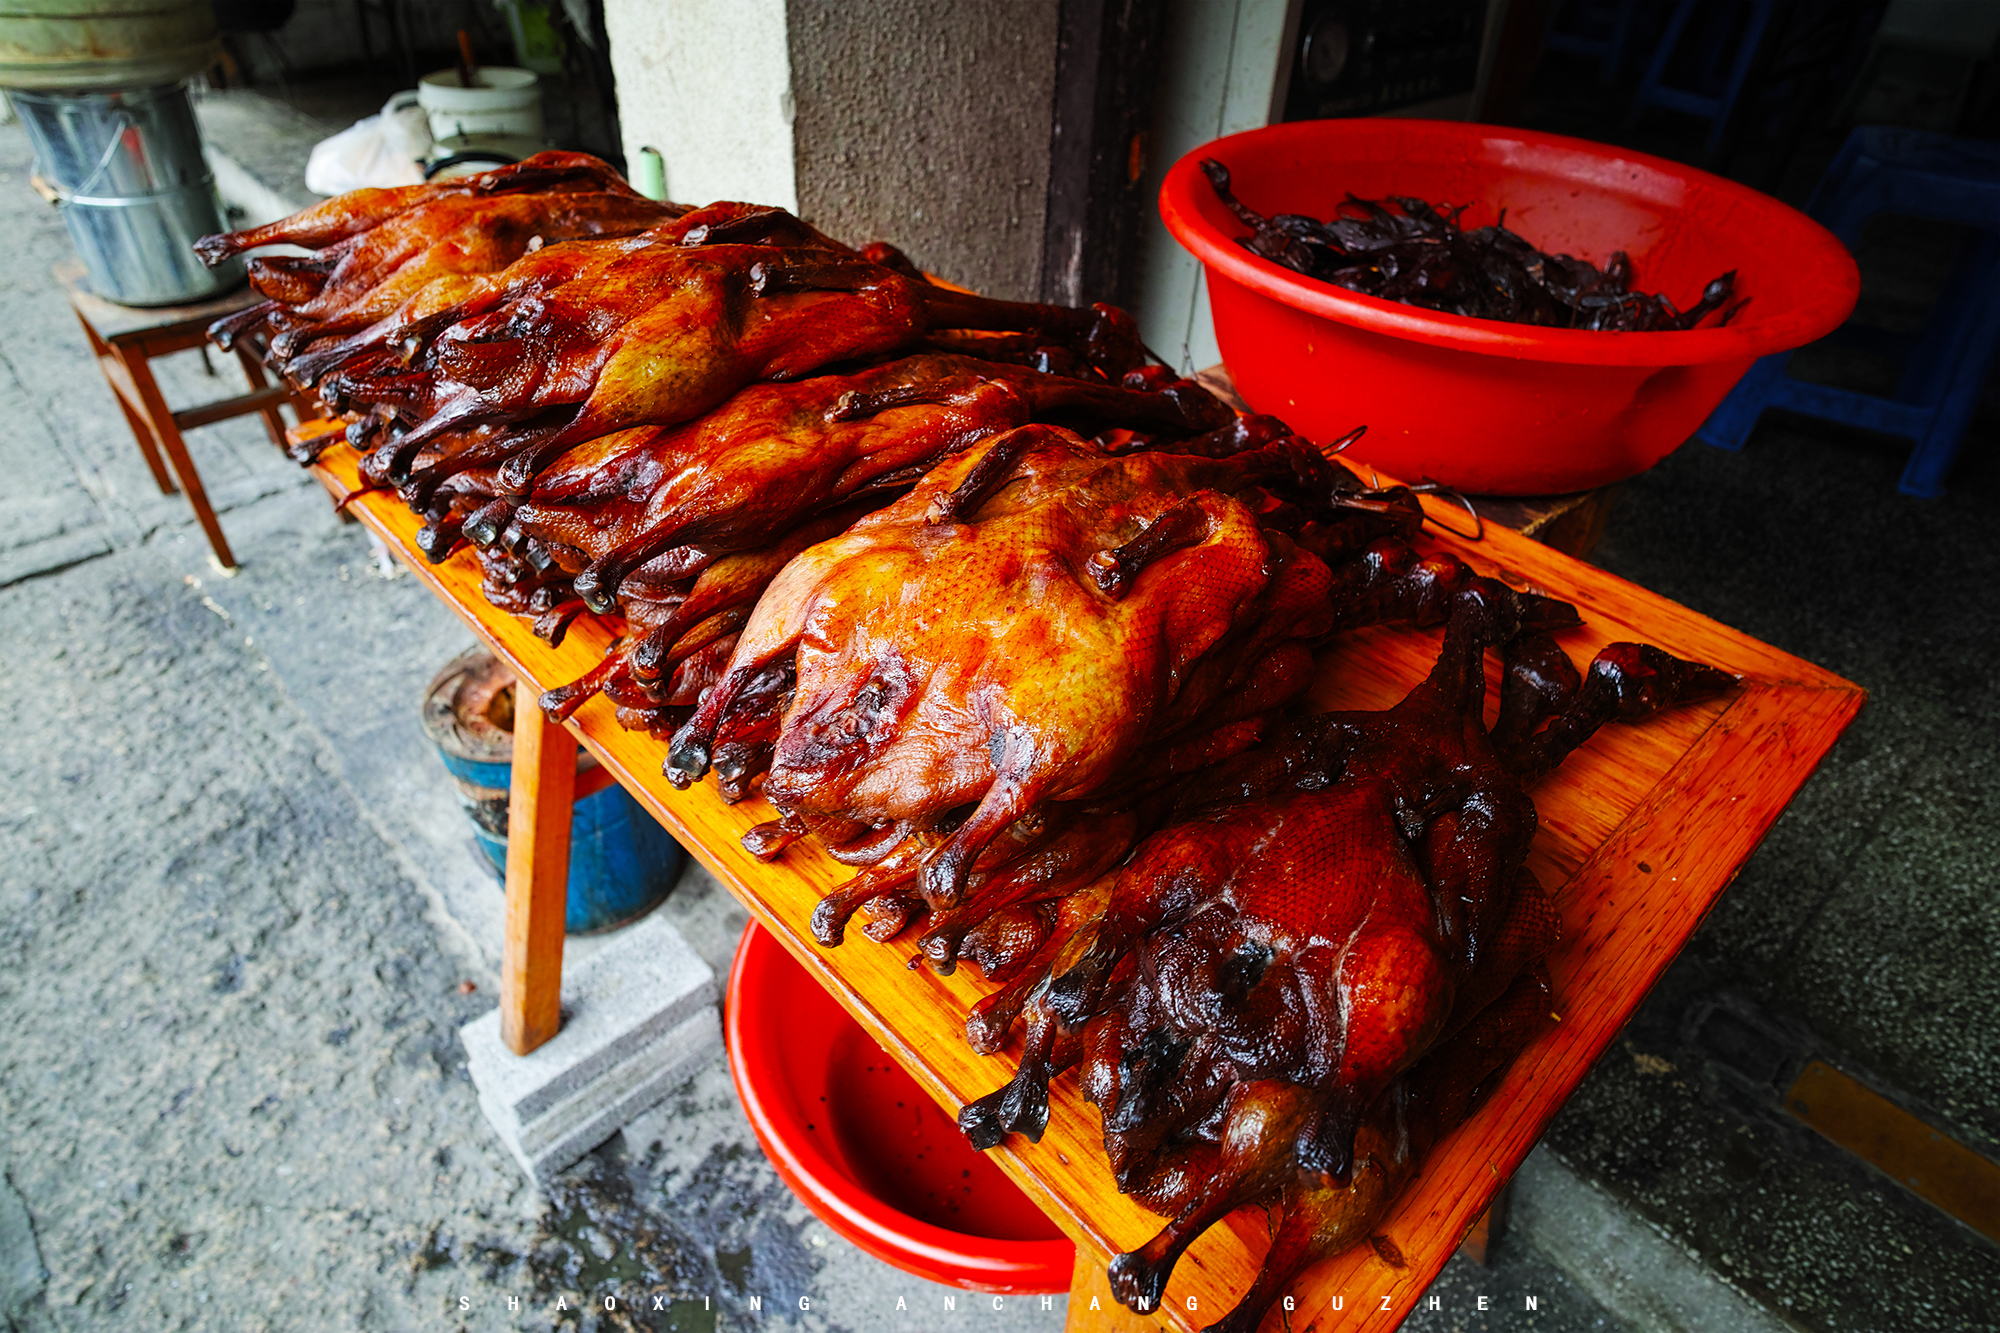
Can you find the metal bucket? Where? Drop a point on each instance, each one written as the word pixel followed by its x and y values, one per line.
pixel 135 191
pixel 622 864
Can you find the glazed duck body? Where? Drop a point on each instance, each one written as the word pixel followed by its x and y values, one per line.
pixel 1011 632
pixel 1267 974
pixel 963 632
pixel 774 454
pixel 680 528
pixel 1321 932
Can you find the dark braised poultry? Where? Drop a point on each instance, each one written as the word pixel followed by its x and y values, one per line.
pixel 357 211
pixel 574 340
pixel 1262 974
pixel 375 248
pixel 376 273
pixel 990 691
pixel 1417 254
pixel 480 331
pixel 1434 1098
pixel 1007 919
pixel 776 452
pixel 608 335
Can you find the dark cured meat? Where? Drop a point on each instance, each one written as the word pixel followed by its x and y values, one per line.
pixel 1417 255
pixel 1067 844
pixel 484 330
pixel 994 689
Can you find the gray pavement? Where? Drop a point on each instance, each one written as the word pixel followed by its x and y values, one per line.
pixel 1863 931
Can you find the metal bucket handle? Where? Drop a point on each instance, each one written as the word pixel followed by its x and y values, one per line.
pixel 56 194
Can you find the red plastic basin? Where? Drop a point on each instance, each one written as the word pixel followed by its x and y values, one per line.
pixel 1490 407
pixel 866 1148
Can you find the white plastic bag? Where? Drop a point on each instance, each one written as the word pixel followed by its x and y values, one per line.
pixel 379 150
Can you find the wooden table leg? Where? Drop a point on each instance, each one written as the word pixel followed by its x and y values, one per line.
pixel 1093 1309
pixel 1484 1238
pixel 538 818
pixel 274 425
pixel 143 433
pixel 162 419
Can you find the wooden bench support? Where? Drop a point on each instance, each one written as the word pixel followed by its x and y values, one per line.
pixel 125 339
pixel 1483 1240
pixel 161 417
pixel 538 818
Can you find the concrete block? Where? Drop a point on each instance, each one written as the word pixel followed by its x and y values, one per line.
pixel 639 1016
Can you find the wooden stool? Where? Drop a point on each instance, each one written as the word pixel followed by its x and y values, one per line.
pixel 125 338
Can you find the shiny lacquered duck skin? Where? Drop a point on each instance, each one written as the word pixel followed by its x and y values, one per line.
pixel 1013 631
pixel 1261 983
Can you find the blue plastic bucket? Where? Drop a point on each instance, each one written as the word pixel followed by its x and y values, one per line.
pixel 622 864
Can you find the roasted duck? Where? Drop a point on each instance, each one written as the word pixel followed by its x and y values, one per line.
pixel 1017 628
pixel 1008 918
pixel 638 520
pixel 357 211
pixel 776 452
pixel 478 334
pixel 375 248
pixel 660 360
pixel 1262 973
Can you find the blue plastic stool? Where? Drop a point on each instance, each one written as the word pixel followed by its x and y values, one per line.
pixel 1602 31
pixel 1884 170
pixel 1715 108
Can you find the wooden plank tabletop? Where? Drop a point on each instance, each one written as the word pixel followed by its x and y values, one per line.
pixel 1640 830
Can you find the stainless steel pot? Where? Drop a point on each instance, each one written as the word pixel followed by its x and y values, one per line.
pixel 127 170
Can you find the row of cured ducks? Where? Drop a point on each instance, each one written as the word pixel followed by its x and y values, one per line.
pixel 1012 621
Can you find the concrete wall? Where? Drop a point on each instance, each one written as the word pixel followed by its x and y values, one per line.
pixel 922 122
pixel 709 84
pixel 926 123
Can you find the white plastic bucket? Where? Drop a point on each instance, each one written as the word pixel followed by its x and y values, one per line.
pixel 507 103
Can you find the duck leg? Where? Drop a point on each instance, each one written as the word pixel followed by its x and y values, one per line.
pixel 1264 1119
pixel 1627 682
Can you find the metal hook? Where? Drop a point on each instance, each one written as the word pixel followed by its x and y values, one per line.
pixel 1429 487
pixel 1339 446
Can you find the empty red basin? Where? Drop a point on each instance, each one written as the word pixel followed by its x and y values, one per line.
pixel 866 1148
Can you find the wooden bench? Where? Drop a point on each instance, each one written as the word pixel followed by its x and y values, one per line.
pixel 1640 832
pixel 126 338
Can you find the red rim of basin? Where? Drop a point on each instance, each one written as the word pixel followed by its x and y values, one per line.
pixel 1755 333
pixel 979 1263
